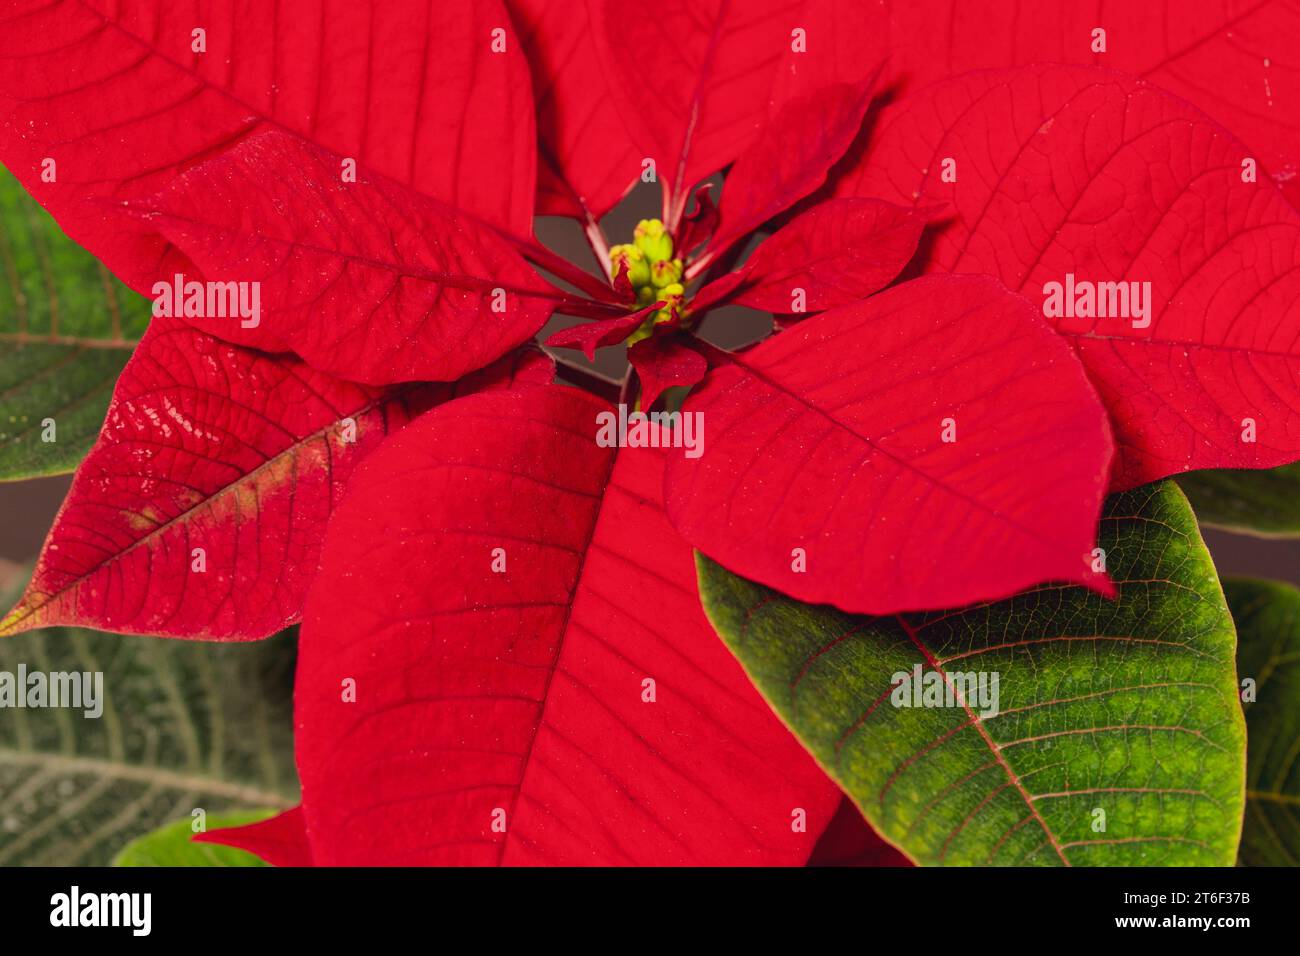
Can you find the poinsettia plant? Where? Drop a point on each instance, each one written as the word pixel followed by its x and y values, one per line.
pixel 914 547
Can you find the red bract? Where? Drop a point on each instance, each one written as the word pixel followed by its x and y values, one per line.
pixel 362 279
pixel 120 96
pixel 574 110
pixel 1076 172
pixel 1233 59
pixel 531 713
pixel 986 382
pixel 837 252
pixel 503 657
pixel 705 96
pixel 201 510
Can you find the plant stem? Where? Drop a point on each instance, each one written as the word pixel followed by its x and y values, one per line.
pixel 599 244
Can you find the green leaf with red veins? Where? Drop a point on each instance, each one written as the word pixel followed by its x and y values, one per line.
pixel 1263 502
pixel 67 328
pixel 1056 728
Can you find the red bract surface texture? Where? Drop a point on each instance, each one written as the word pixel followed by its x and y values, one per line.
pixel 503 657
pixel 837 252
pixel 709 91
pixel 790 157
pixel 1072 170
pixel 523 691
pixel 117 94
pixel 921 401
pixel 213 447
pixel 1233 59
pixel 281 840
pixel 575 108
pixel 363 279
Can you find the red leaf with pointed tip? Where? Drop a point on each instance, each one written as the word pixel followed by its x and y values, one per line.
pixel 586 160
pixel 661 362
pixel 595 335
pixel 364 279
pixel 1076 171
pixel 790 158
pixel 844 42
pixel 698 224
pixel 623 288
pixel 839 251
pixel 1237 60
pixel 518 696
pixel 830 438
pixel 717 292
pixel 849 840
pixel 280 840
pixel 209 445
pixel 116 95
pixel 692 79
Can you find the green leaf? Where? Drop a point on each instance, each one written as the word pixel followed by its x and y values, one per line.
pixel 185 725
pixel 1268 628
pixel 67 327
pixel 1128 707
pixel 171 845
pixel 1264 502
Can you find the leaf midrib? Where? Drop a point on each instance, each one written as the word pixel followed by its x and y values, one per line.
pixel 9 623
pixel 761 376
pixel 976 722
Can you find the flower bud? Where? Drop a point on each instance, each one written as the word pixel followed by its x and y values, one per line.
pixel 653 240
pixel 666 272
pixel 638 268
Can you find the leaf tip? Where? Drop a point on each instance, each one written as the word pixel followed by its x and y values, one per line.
pixel 18 619
pixel 1101 583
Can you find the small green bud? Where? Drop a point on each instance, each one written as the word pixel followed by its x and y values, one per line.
pixel 644 331
pixel 666 272
pixel 671 295
pixel 638 268
pixel 653 240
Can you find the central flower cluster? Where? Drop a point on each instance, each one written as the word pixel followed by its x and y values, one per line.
pixel 653 271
